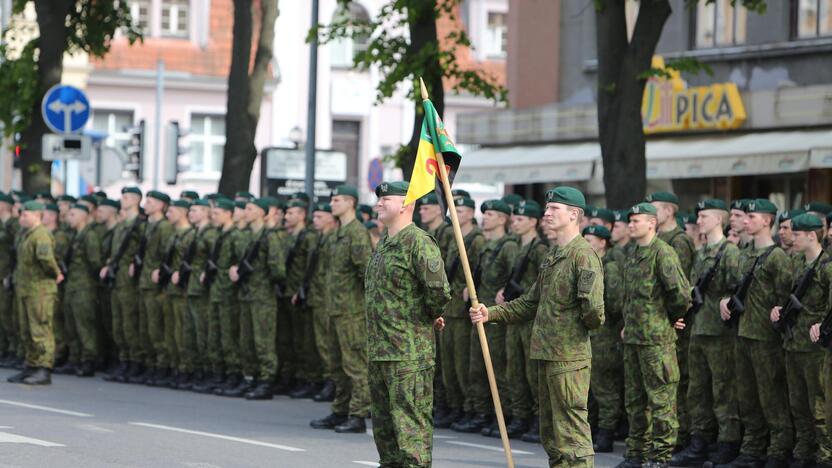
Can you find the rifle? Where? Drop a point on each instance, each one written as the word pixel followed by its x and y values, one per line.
pixel 63 264
pixel 453 268
pixel 736 303
pixel 138 259
pixel 478 270
pixel 512 290
pixel 701 286
pixel 211 268
pixel 245 266
pixel 185 267
pixel 112 265
pixel 290 258
pixel 311 264
pixel 8 280
pixel 788 313
pixel 165 269
pixel 825 339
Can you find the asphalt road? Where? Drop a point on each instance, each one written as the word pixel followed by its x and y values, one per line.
pixel 91 423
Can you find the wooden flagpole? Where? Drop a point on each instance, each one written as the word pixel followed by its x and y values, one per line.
pixel 472 294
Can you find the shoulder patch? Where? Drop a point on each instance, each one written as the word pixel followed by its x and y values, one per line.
pixel 434 265
pixel 42 249
pixel 586 279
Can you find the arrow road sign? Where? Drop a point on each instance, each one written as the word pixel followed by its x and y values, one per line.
pixel 65 109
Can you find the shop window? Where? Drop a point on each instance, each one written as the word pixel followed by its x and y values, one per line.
pixel 719 24
pixel 813 18
pixel 175 18
pixel 496 35
pixel 206 142
pixel 343 51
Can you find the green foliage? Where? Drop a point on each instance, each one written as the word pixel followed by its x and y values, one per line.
pixel 688 65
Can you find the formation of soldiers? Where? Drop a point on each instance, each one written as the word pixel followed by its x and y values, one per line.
pixel 699 338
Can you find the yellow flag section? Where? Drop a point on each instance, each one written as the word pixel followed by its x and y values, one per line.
pixel 434 138
pixel 669 105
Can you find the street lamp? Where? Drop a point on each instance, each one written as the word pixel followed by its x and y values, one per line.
pixel 296 136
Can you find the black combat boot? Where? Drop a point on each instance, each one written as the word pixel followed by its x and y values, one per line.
pixel 476 424
pixel 262 391
pixel 725 452
pixel 187 381
pixel 143 377
pixel 118 372
pixel 245 386
pixel 694 454
pixel 630 463
pixel 67 368
pixel 744 461
pixel 136 371
pixel 353 425
pixel 283 386
pixel 87 369
pixel 207 384
pixel 464 420
pixel 771 462
pixel 20 376
pixel 329 422
pixel 161 379
pixel 326 393
pixel 41 376
pixel 603 441
pixel 655 464
pixel 231 381
pixel 453 416
pixel 516 429
pixel 306 390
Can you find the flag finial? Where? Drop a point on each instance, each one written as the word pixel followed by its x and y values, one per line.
pixel 424 89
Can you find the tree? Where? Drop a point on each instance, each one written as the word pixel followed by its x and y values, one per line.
pixel 246 81
pixel 28 71
pixel 404 46
pixel 623 69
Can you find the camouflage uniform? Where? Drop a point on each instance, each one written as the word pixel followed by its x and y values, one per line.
pixel 108 351
pixel 760 370
pixel 8 331
pixel 607 360
pixel 712 388
pixel 208 355
pixel 444 237
pixel 405 291
pixel 156 236
pixel 63 237
pixel 181 336
pixel 566 301
pixel 349 253
pixel 656 294
pixel 223 299
pixel 124 295
pixel 36 292
pixel 80 304
pixel 317 302
pixel 299 327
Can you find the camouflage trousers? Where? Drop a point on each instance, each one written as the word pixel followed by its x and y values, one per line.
pixel 258 334
pixel 763 398
pixel 807 402
pixel 307 359
pixel 9 333
pixel 184 333
pixel 479 391
pixel 712 396
pixel 521 372
pixel 349 365
pixel 456 354
pixel 827 388
pixel 651 374
pixel 213 339
pixel 146 344
pixel 402 401
pixel 229 324
pixel 607 385
pixel 80 327
pixel 323 339
pixel 36 332
pixel 682 407
pixel 199 315
pixel 440 399
pixel 169 326
pixel 563 389
pixel 58 327
pixel 287 342
pixel 107 350
pixel 125 310
pixel 153 301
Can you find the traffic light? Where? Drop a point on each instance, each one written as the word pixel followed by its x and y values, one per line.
pixel 134 148
pixel 175 161
pixel 17 163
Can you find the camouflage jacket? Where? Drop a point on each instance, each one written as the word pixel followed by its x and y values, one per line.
pixel 203 239
pixel 613 295
pixel 222 249
pixel 349 254
pixel 444 236
pixel 37 268
pixel 683 245
pixel 120 233
pixel 299 247
pixel 566 302
pixel 456 308
pixel 63 239
pixel 175 248
pixel 405 289
pixel 816 301
pixel 708 321
pixel 156 235
pixel 770 287
pixel 86 262
pixel 496 263
pixel 6 247
pixel 316 296
pixel 656 294
pixel 269 265
pixel 536 251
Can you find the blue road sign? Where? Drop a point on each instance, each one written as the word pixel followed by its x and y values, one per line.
pixel 65 109
pixel 375 173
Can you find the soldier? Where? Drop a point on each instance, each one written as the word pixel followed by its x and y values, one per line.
pixel 62 237
pixel 692 231
pixel 804 360
pixel 736 218
pixel 106 216
pixel 366 212
pixel 815 336
pixel 760 370
pixel 607 383
pixel 348 256
pixel 8 333
pixel 406 289
pixel 189 195
pixel 622 246
pixel 656 295
pixel 711 390
pixel 83 261
pixel 821 210
pixel 325 224
pixel 784 232
pixel 560 335
pixel 36 278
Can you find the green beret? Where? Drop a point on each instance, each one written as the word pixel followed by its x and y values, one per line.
pixel 495 205
pixel 642 208
pixel 100 194
pixel 32 205
pixel 666 197
pixel 370 224
pixel 588 208
pixel 566 195
pixel 78 206
pixel 465 201
pixel 602 213
pixel 67 198
pixel 161 196
pixel 323 207
pixel 274 202
pixel 622 216
pixel 711 204
pixel 189 194
pixel 202 202
pixel 108 202
pixel 244 194
pixel 52 207
pixel 261 203
pixel 806 222
pixel 240 204
pixel 296 203
pixel 790 214
pixel 181 203
pixel 429 199
pixel 682 218
pixel 45 195
pixel 395 188
pixel 347 190
pixel 6 198
pixel 460 193
pixel 133 190
pixel 739 204
pixel 18 194
pixel 512 199
pixel 690 218
pixel 224 204
pixel 528 208
pixel 818 207
pixel 597 231
pixel 90 199
pixel 211 196
pixel 23 198
pixel 366 209
pixel 300 196
pixel 761 205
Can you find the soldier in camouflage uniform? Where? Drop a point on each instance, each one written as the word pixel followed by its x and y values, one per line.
pixel 826 411
pixel 36 278
pixel 325 224
pixel 656 295
pixel 821 210
pixel 711 394
pixel 566 302
pixel 736 219
pixel 62 237
pixel 760 368
pixel 607 384
pixel 106 216
pixel 348 256
pixel 804 360
pixel 8 332
pixel 405 291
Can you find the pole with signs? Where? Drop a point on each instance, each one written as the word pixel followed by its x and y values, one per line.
pixel 312 106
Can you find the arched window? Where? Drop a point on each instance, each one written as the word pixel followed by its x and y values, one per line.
pixel 342 51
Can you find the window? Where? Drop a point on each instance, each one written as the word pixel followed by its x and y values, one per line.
pixel 140 14
pixel 496 32
pixel 343 51
pixel 175 18
pixel 720 24
pixel 115 124
pixel 207 139
pixel 814 18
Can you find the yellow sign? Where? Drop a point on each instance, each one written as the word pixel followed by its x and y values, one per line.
pixel 669 105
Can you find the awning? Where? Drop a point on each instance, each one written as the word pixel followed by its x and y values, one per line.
pixel 530 164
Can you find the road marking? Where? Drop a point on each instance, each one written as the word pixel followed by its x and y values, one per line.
pixel 46 408
pixel 94 428
pixel 8 438
pixel 443 437
pixel 488 447
pixel 218 436
pixel 366 463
